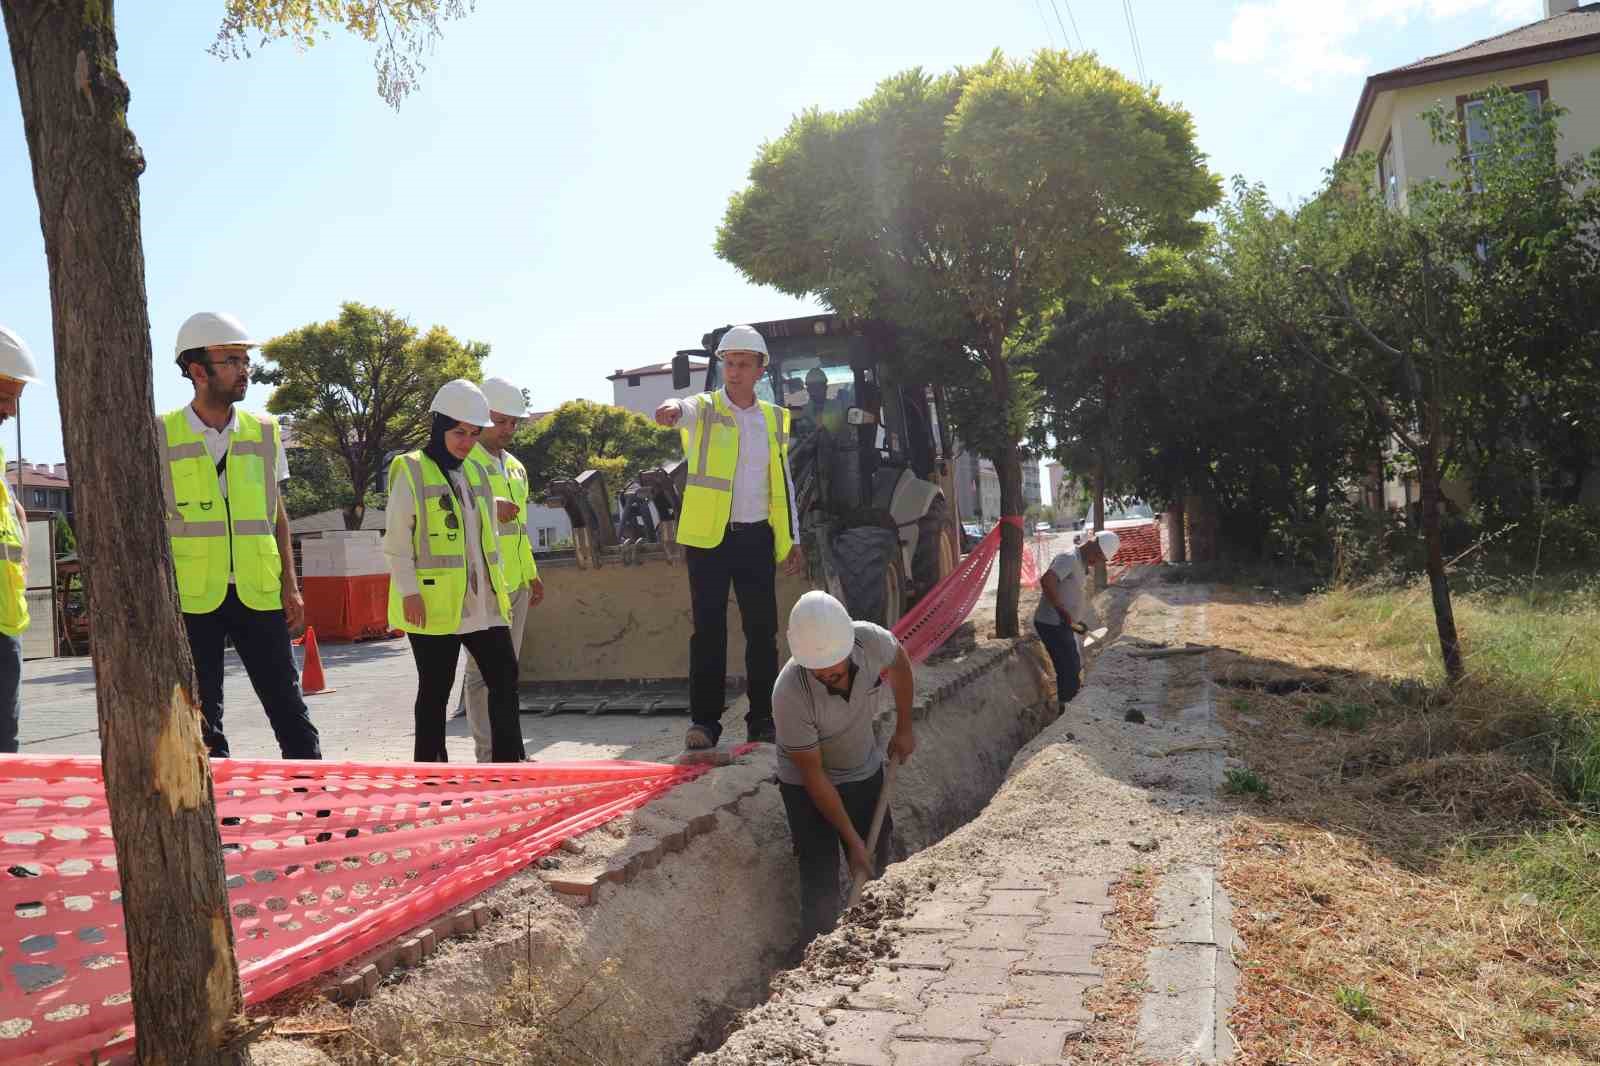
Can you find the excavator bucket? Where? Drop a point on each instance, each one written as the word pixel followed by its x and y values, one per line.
pixel 612 634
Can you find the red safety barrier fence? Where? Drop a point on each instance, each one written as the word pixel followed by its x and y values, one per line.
pixel 924 629
pixel 324 862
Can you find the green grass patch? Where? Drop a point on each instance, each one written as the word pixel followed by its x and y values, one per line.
pixel 1354 1001
pixel 1351 717
pixel 1245 783
pixel 1558 867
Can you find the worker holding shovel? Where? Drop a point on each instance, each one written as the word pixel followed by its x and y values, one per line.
pixel 831 772
pixel 1061 617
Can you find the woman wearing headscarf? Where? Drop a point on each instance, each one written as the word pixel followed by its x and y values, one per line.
pixel 445 586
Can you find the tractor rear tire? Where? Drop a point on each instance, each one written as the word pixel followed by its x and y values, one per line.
pixel 871 574
pixel 938 552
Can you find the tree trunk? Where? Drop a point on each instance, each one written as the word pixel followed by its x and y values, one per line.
pixel 1008 467
pixel 86 166
pixel 1179 543
pixel 1444 617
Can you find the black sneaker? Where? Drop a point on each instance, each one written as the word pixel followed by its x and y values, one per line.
pixel 762 733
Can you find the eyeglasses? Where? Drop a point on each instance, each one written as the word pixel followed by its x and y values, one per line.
pixel 447 501
pixel 233 362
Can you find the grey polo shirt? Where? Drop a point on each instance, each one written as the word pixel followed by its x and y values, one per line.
pixel 809 717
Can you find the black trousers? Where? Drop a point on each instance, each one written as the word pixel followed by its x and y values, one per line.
pixel 744 560
pixel 436 658
pixel 262 640
pixel 818 847
pixel 1062 645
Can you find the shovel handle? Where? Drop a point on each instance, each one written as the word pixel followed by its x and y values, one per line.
pixel 859 881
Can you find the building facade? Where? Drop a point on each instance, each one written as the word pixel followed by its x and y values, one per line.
pixel 642 389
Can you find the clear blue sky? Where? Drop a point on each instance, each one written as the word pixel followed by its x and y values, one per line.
pixel 554 186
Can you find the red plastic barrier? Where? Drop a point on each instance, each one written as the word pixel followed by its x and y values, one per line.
pixel 324 861
pixel 924 629
pixel 347 608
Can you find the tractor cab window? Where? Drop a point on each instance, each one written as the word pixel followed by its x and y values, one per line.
pixel 819 395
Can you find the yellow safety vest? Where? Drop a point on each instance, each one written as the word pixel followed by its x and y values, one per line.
pixel 214 536
pixel 713 454
pixel 13 565
pixel 439 549
pixel 516 553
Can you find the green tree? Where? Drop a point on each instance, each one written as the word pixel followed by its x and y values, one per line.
pixel 1464 305
pixel 358 387
pixel 318 483
pixel 582 435
pixel 86 165
pixel 956 206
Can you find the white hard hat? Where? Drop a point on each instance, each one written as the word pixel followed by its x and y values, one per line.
pixel 743 339
pixel 463 401
pixel 16 362
pixel 504 397
pixel 211 328
pixel 820 631
pixel 1109 542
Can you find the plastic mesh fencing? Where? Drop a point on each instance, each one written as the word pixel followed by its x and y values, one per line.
pixel 324 862
pixel 924 629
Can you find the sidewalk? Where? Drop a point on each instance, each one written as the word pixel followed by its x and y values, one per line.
pixel 982 949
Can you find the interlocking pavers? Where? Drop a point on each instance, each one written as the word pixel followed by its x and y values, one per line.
pixel 861 1037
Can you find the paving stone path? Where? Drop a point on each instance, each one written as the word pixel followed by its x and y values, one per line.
pixel 991 971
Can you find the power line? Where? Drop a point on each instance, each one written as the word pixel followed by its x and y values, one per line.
pixel 1039 7
pixel 1064 36
pixel 1072 19
pixel 1133 36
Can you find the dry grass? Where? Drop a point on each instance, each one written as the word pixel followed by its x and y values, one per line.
pixel 1115 1002
pixel 1377 893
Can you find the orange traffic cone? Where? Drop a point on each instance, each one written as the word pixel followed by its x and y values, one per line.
pixel 312 682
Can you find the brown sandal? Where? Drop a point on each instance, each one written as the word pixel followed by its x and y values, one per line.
pixel 698 739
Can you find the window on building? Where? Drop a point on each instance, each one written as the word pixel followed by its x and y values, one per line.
pixel 41 498
pixel 547 536
pixel 1388 180
pixel 1474 115
pixel 633 381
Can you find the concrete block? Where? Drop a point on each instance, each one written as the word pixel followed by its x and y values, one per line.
pixel 861 1037
pixel 410 951
pixel 463 922
pixel 993 933
pixel 1086 922
pixel 481 915
pixel 1012 902
pixel 899 991
pixel 934 914
pixel 350 989
pixel 581 887
pixel 1056 997
pixel 1018 1041
pixel 924 951
pixel 1071 891
pixel 977 973
pixel 934 1052
pixel 369 979
pixel 953 1016
pixel 429 939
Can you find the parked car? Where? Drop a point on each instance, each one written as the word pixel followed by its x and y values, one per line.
pixel 971 533
pixel 1041 527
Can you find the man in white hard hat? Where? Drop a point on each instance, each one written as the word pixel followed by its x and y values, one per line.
pixel 17 369
pixel 509 480
pixel 830 770
pixel 221 476
pixel 737 524
pixel 1062 615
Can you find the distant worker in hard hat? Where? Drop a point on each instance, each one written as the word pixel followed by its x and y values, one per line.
pixel 1063 612
pixel 221 476
pixel 830 770
pixel 508 478
pixel 17 369
pixel 817 414
pixel 737 524
pixel 446 586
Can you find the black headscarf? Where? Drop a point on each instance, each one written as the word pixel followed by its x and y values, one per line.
pixel 435 448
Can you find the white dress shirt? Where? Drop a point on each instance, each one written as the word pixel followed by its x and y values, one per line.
pixel 752 486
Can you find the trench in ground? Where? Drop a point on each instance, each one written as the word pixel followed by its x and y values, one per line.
pixel 693 938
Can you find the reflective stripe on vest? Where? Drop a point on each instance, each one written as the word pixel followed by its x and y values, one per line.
pixel 207 552
pixel 442 575
pixel 708 494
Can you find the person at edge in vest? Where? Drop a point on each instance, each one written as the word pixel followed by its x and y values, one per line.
pixel 446 589
pixel 1061 617
pixel 737 524
pixel 830 770
pixel 17 369
pixel 509 480
pixel 230 535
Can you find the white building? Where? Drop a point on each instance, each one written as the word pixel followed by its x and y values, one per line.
pixel 643 388
pixel 978 487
